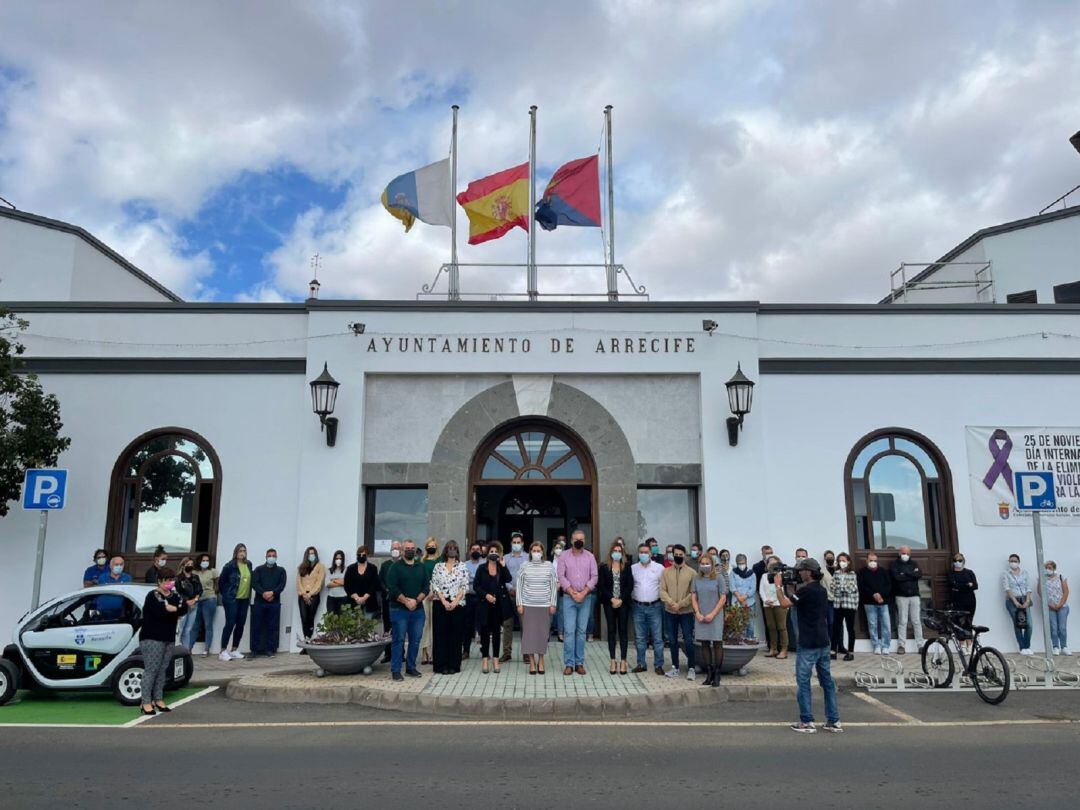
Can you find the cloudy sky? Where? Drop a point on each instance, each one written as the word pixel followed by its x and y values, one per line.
pixel 773 151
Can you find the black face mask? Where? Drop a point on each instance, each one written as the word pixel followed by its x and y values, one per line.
pixel 829 561
pixel 579 544
pixel 493 557
pixel 451 555
pixel 409 553
pixel 431 550
pixel 475 555
pixel 361 558
pixel 189 568
pixel 678 559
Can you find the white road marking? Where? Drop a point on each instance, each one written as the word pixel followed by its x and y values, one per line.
pixel 885 707
pixel 142 718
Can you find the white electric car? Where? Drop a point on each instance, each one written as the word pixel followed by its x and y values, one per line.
pixel 87 639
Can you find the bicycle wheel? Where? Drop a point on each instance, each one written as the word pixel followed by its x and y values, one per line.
pixel 937 663
pixel 990 673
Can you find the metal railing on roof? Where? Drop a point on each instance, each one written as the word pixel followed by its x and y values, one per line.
pixel 455 293
pixel 927 277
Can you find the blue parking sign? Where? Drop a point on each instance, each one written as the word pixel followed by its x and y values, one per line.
pixel 1035 491
pixel 44 489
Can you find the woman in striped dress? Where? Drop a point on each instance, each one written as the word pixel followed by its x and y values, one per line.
pixel 537 590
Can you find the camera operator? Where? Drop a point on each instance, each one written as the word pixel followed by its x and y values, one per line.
pixel 807 592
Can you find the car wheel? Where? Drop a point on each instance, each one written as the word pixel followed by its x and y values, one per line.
pixel 189 669
pixel 9 680
pixel 127 682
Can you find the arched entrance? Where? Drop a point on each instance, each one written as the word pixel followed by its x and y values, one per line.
pixel 535 476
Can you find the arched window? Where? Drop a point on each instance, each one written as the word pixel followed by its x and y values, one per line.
pixel 897 492
pixel 165 491
pixel 532 455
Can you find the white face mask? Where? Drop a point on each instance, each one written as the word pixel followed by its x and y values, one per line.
pixel 843 564
pixel 905 557
pixel 1015 566
pixel 312 558
pixel 537 556
pixel 872 564
pixel 558 551
pixel 100 560
pixel 395 553
pixel 204 564
pixel 516 547
pixel 160 563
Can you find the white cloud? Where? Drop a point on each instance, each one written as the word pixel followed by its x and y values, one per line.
pixel 764 150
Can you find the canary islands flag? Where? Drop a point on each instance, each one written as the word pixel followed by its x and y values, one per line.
pixel 573 196
pixel 497 203
pixel 421 195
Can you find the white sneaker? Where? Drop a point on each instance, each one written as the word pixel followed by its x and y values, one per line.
pixel 225 656
pixel 877 651
pixel 236 655
pixel 691 674
pixel 1057 651
pixel 885 651
pixel 672 673
pixel 1025 652
pixel 1065 651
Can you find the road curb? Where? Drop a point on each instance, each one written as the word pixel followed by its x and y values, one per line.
pixel 263 689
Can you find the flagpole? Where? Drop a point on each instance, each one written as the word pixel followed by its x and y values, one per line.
pixel 455 289
pixel 612 280
pixel 531 270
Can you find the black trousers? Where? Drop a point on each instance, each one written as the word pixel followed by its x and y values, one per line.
pixel 334 604
pixel 468 632
pixel 842 616
pixel 307 615
pixel 447 629
pixel 385 603
pixel 490 629
pixel 618 626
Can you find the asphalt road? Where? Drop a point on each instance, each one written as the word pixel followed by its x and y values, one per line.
pixel 911 751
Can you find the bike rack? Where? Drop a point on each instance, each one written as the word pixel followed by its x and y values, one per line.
pixel 892 676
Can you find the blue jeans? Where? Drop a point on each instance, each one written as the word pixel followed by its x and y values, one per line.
pixel 405 623
pixel 1023 637
pixel 751 634
pixel 676 623
pixel 203 612
pixel 877 621
pixel 805 662
pixel 575 622
pixel 1058 634
pixel 236 611
pixel 265 627
pixel 647 623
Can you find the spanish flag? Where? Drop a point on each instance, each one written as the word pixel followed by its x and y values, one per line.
pixel 497 203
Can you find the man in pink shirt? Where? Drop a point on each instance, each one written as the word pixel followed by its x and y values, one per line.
pixel 577 576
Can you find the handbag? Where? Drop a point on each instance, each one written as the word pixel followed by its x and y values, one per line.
pixel 1020 620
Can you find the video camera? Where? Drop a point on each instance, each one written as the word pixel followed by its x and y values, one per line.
pixel 788 575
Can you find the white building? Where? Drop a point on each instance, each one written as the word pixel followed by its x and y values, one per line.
pixel 468 419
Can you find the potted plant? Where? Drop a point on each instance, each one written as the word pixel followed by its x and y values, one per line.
pixel 738 649
pixel 346 642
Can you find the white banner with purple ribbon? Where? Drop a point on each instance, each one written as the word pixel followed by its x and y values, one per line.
pixel 995 453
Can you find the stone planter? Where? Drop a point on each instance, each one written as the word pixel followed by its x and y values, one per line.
pixel 737 656
pixel 344 659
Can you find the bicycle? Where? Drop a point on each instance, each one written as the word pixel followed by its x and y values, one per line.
pixel 987 668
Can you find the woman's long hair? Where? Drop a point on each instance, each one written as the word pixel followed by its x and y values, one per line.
pixel 306 565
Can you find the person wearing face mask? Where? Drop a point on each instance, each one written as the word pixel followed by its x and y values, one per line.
pixel 267 582
pixel 744 592
pixel 490 584
pixel 827 584
pixel 449 580
pixel 676 594
pixel 709 593
pixel 161 610
pixel 112 607
pixel 513 562
pixel 905 579
pixel 535 596
pixel 577 575
pixel 234 587
pixel 845 601
pixel 384 569
pixel 723 561
pixel 407 584
pixel 962 587
pixel 654 550
pixel 96 571
pixel 669 556
pixel 1017 584
pixel 793 611
pixel 615 584
pixel 556 552
pixel 206 609
pixel 363 585
pixel 1057 595
pixel 647 609
pixel 429 561
pixel 160 558
pixel 189 588
pixel 875 590
pixel 336 595
pixel 476 555
pixel 310 578
pixel 759 569
pixel 775 613
pixel 694 556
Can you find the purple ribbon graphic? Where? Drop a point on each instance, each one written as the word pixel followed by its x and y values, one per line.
pixel 1000 454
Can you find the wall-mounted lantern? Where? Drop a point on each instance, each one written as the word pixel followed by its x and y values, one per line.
pixel 323 398
pixel 740 392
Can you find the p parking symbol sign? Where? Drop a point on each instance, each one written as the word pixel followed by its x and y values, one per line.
pixel 1035 491
pixel 44 489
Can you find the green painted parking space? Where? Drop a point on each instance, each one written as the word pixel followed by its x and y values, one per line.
pixel 75 708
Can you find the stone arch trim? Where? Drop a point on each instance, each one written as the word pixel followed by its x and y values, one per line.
pixel 448 487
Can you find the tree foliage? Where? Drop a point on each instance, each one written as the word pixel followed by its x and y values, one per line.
pixel 29 418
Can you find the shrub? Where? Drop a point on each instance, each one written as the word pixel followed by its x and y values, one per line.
pixel 349 626
pixel 736 621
